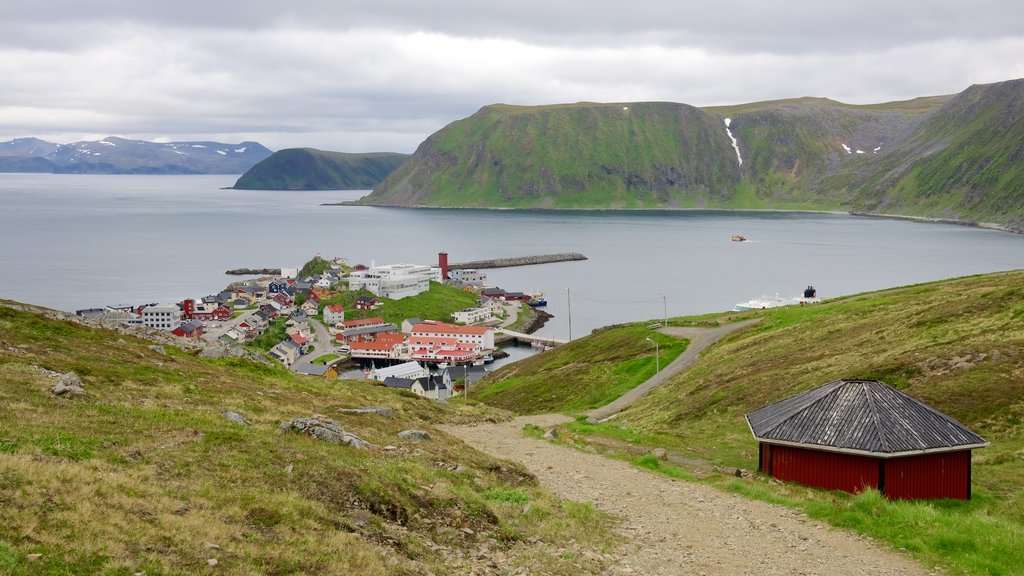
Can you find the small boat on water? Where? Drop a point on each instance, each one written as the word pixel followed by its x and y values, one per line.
pixel 764 302
pixel 738 238
pixel 537 300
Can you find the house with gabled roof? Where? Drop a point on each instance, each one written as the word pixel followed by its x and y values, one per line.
pixel 286 352
pixel 334 314
pixel 189 329
pixel 852 434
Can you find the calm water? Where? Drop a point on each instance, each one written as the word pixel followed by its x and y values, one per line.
pixel 76 241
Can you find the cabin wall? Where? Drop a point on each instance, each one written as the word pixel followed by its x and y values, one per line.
pixel 829 470
pixel 944 475
pixel 927 476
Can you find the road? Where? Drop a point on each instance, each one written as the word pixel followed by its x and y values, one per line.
pixel 700 338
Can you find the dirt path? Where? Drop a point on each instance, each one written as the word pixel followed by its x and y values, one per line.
pixel 700 338
pixel 675 527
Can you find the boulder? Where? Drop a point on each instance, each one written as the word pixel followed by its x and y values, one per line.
pixel 67 384
pixel 325 429
pixel 235 417
pixel 158 349
pixel 414 435
pixel 379 410
pixel 659 453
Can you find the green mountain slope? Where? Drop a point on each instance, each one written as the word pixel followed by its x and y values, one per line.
pixel 569 156
pixel 143 473
pixel 945 157
pixel 311 169
pixel 964 161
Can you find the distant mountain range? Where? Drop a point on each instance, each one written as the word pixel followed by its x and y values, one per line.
pixel 121 156
pixel 311 169
pixel 955 157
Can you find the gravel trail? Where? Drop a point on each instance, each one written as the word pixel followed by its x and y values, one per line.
pixel 677 527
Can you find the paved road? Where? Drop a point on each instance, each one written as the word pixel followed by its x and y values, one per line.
pixel 321 343
pixel 700 338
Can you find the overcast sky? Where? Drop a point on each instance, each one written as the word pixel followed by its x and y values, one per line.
pixel 382 75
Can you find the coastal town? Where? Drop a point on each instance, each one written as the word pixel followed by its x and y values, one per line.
pixel 329 319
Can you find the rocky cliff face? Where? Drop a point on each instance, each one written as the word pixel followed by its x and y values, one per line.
pixel 948 156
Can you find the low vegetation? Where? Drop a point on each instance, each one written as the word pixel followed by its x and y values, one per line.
pixel 957 345
pixel 143 473
pixel 581 375
pixel 437 303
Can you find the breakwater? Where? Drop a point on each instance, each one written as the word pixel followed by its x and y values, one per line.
pixel 253 271
pixel 519 261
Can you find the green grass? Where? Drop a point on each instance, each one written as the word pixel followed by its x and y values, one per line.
pixel 142 473
pixel 437 303
pixel 325 359
pixel 957 345
pixel 579 377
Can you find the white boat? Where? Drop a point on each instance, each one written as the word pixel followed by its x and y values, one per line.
pixel 764 302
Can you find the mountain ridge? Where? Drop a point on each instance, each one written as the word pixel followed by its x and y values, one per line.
pixel 950 157
pixel 115 155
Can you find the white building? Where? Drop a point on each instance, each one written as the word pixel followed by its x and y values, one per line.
pixel 468 276
pixel 162 316
pixel 473 315
pixel 334 314
pixel 410 370
pixel 484 336
pixel 394 281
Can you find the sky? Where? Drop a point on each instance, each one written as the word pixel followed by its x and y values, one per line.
pixel 382 75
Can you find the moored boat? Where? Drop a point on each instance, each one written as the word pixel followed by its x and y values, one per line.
pixel 738 238
pixel 764 302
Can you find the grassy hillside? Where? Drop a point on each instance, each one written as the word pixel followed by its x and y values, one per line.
pixel 627 155
pixel 142 473
pixel 437 303
pixel 964 161
pixel 957 345
pixel 954 157
pixel 311 169
pixel 600 369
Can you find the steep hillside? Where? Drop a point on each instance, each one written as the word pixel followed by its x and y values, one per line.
pixel 311 169
pixel 142 471
pixel 121 156
pixel 569 156
pixel 964 161
pixel 955 157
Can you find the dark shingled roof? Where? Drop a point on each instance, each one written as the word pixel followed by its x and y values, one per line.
pixel 864 416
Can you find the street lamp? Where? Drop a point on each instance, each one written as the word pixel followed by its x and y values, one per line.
pixel 657 356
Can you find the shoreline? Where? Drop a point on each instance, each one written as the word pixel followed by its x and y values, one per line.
pixel 995 226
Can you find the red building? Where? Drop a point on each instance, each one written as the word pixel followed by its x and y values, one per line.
pixel 192 311
pixel 852 434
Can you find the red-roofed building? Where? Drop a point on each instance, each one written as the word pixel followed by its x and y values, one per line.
pixel 385 346
pixel 334 314
pixel 480 335
pixel 363 322
pixel 298 338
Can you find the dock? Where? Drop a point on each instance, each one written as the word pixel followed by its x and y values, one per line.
pixel 518 261
pixel 530 338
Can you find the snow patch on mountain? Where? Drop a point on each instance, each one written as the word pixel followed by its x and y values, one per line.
pixel 735 145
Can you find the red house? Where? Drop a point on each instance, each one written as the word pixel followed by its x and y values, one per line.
pixel 851 434
pixel 190 310
pixel 189 329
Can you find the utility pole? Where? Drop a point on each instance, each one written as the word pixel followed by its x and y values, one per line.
pixel 664 309
pixel 568 306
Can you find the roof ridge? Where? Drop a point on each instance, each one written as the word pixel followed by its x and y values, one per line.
pixel 883 440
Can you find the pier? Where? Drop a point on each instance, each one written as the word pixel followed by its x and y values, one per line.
pixel 518 261
pixel 530 338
